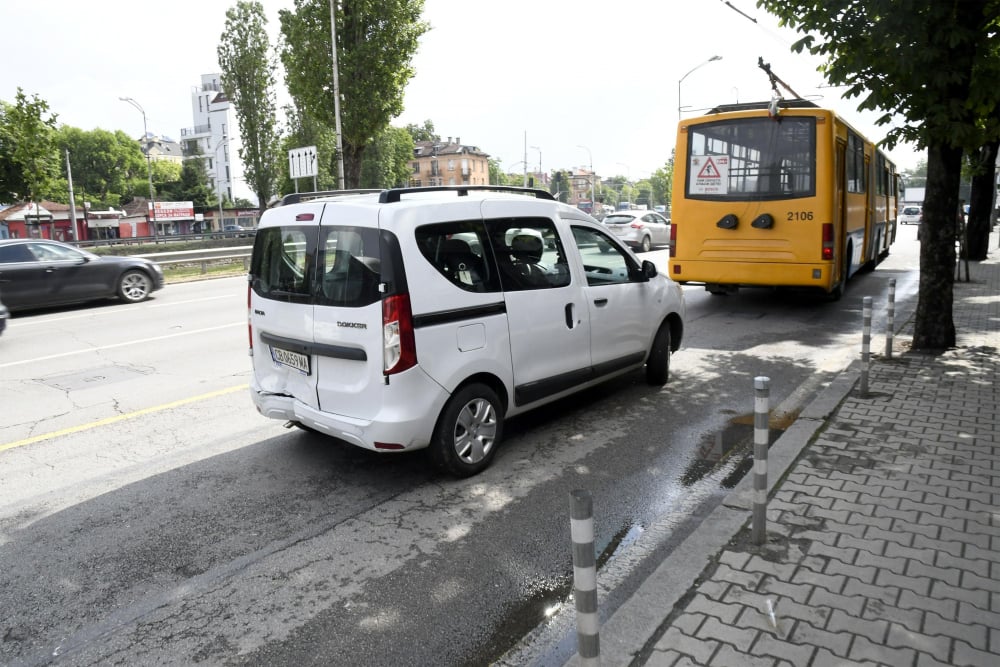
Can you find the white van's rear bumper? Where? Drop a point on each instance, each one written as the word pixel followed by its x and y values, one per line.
pixel 405 421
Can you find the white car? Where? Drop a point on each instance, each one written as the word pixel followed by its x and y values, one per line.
pixel 425 317
pixel 639 229
pixel 910 215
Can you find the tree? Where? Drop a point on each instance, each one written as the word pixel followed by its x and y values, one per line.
pixel 933 64
pixel 106 165
pixel 425 133
pixel 194 185
pixel 375 44
pixel 28 138
pixel 248 78
pixel 663 182
pixel 387 160
pixel 980 220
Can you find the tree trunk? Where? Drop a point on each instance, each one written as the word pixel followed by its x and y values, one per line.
pixel 981 204
pixel 934 327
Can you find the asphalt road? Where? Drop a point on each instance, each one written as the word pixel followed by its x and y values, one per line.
pixel 148 515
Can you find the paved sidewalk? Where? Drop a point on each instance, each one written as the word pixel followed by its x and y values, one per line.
pixel 883 538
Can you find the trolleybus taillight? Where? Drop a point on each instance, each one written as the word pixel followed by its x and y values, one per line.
pixel 827 240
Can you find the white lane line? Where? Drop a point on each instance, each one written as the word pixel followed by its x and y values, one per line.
pixel 115 345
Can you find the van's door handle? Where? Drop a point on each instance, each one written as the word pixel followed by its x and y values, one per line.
pixel 600 302
pixel 569 316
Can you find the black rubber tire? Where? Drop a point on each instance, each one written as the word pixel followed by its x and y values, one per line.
pixel 838 291
pixel 658 362
pixel 468 431
pixel 647 245
pixel 134 286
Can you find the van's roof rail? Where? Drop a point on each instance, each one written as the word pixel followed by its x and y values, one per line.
pixel 394 195
pixel 296 197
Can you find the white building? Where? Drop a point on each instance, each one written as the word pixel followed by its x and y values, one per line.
pixel 215 138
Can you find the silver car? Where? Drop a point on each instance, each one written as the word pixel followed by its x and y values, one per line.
pixel 639 229
pixel 910 215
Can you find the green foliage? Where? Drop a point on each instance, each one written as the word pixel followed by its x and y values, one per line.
pixel 248 77
pixel 27 138
pixel 936 65
pixel 306 131
pixel 662 181
pixel 387 160
pixel 376 41
pixel 425 133
pixel 194 185
pixel 105 164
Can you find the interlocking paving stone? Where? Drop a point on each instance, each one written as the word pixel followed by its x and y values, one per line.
pixel 825 658
pixel 725 612
pixel 863 573
pixel 700 650
pixel 967 655
pixel 741 638
pixel 975 634
pixel 911 619
pixel 862 649
pixel 901 637
pixel 875 630
pixel 797 654
pixel 727 656
pixel 837 642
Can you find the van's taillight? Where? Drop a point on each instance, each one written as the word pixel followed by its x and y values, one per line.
pixel 673 240
pixel 827 240
pixel 397 334
pixel 249 323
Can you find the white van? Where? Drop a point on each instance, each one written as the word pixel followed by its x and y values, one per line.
pixel 424 317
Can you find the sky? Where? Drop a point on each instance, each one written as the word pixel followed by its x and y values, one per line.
pixel 557 84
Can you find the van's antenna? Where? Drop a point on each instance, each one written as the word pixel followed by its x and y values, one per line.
pixel 775 80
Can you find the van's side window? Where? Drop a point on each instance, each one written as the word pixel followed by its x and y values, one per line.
pixel 281 265
pixel 458 251
pixel 603 261
pixel 350 267
pixel 529 253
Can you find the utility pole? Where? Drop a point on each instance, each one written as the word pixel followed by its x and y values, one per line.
pixel 336 97
pixel 72 201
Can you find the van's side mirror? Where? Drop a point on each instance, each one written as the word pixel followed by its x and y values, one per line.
pixel 648 268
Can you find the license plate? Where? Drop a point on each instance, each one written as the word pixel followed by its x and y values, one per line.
pixel 299 362
pixel 619 230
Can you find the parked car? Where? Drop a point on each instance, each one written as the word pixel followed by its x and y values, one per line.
pixel 639 229
pixel 425 317
pixel 910 215
pixel 38 273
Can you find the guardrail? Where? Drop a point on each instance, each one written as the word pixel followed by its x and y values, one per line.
pixel 204 256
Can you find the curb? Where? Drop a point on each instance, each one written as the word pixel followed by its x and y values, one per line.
pixel 640 620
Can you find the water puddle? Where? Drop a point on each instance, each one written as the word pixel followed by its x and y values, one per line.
pixel 728 454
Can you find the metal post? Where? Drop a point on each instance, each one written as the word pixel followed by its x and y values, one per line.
pixel 336 97
pixel 890 317
pixel 149 166
pixel 585 577
pixel 72 200
pixel 761 411
pixel 866 339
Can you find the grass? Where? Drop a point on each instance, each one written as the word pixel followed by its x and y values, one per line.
pixel 183 273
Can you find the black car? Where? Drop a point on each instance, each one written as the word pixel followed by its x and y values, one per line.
pixel 37 273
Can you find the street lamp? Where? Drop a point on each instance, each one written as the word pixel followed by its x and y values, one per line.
pixel 593 201
pixel 539 160
pixel 713 58
pixel 149 165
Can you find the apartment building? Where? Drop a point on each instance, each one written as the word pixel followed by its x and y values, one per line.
pixel 449 163
pixel 215 137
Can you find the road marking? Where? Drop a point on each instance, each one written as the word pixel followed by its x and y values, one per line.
pixel 118 418
pixel 125 344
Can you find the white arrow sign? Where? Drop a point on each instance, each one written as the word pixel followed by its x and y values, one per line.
pixel 302 162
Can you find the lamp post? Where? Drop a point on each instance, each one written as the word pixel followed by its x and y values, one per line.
pixel 539 160
pixel 149 165
pixel 713 58
pixel 590 156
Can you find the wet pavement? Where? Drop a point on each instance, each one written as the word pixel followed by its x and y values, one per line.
pixel 883 532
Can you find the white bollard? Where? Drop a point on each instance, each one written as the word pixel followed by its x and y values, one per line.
pixel 761 432
pixel 866 339
pixel 890 317
pixel 585 578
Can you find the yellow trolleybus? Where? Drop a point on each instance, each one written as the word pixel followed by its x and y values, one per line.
pixel 778 194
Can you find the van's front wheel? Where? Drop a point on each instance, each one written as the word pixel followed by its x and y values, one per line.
pixel 468 431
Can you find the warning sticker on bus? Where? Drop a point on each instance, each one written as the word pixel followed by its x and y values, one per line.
pixel 709 174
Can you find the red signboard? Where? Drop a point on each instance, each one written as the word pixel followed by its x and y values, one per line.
pixel 173 210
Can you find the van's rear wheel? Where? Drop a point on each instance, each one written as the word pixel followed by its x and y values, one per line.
pixel 468 431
